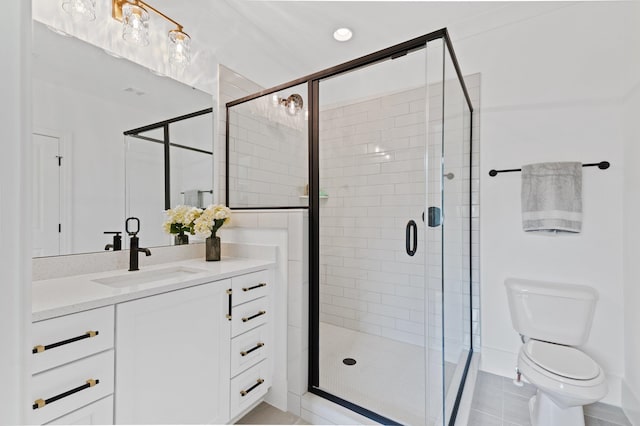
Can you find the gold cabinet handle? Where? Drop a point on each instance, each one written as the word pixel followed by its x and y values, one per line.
pixel 245 319
pixel 256 347
pixel 41 348
pixel 254 287
pixel 39 403
pixel 258 383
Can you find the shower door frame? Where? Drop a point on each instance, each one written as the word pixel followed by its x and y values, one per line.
pixel 313 89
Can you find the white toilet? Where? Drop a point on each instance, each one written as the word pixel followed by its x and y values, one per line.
pixel 551 318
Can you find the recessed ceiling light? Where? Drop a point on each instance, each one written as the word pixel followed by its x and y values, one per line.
pixel 343 34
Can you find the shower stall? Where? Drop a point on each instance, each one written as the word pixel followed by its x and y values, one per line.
pixel 379 151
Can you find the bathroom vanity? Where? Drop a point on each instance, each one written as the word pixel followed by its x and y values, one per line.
pixel 179 343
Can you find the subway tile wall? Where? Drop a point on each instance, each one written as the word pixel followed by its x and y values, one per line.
pixel 372 157
pixel 268 154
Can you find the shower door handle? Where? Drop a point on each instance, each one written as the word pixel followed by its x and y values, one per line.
pixel 411 248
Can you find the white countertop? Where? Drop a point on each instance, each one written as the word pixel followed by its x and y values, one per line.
pixel 68 295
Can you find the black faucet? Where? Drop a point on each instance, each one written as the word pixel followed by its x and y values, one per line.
pixel 134 248
pixel 117 241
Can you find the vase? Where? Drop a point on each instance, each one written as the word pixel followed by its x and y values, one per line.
pixel 212 248
pixel 181 239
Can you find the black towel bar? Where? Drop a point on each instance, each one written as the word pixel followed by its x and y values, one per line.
pixel 601 165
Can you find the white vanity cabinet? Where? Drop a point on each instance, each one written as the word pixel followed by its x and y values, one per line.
pixel 196 354
pixel 72 366
pixel 172 357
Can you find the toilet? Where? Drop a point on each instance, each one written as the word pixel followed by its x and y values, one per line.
pixel 552 318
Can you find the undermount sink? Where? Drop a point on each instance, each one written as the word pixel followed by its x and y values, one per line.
pixel 145 277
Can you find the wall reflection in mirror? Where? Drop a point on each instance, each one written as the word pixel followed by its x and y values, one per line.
pixel 83 102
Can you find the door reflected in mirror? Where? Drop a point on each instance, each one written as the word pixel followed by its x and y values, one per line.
pixel 83 102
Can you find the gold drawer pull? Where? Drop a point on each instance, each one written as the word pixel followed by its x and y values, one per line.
pixel 256 347
pixel 41 348
pixel 254 287
pixel 245 319
pixel 258 383
pixel 39 403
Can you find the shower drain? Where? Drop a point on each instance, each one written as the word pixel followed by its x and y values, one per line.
pixel 349 361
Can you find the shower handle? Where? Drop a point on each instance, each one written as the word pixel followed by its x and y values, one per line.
pixel 411 248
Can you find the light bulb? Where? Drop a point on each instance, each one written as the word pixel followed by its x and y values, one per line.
pixel 135 24
pixel 179 48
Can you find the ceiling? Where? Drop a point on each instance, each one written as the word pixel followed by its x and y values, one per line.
pixel 271 42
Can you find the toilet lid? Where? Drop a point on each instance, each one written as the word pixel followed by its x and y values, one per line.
pixel 562 360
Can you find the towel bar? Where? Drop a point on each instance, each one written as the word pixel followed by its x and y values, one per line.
pixel 601 165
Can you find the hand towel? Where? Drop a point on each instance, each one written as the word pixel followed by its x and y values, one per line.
pixel 193 198
pixel 552 197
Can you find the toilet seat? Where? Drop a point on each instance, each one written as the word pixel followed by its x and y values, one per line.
pixel 564 361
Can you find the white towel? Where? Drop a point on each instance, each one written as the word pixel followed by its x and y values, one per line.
pixel 552 197
pixel 193 198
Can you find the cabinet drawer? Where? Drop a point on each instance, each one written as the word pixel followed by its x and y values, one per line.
pixel 96 413
pixel 53 384
pixel 248 349
pixel 250 286
pixel 61 340
pixel 249 387
pixel 249 315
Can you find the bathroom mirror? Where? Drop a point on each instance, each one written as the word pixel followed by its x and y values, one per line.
pixel 83 101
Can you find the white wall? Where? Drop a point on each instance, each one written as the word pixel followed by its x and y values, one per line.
pixel 631 386
pixel 551 91
pixel 15 211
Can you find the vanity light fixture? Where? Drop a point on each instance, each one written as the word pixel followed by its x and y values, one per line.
pixel 343 34
pixel 134 16
pixel 80 9
pixel 293 104
pixel 135 24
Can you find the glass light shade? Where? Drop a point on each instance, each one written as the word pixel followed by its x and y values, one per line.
pixel 294 104
pixel 80 9
pixel 179 48
pixel 135 24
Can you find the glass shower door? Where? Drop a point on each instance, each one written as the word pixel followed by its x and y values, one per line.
pixel 372 152
pixel 450 268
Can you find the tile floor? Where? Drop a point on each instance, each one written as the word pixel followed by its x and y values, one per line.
pixel 498 402
pixel 265 414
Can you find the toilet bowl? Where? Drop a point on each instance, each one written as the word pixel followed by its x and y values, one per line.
pixel 552 318
pixel 566 379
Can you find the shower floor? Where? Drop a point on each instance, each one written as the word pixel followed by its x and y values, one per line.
pixel 388 376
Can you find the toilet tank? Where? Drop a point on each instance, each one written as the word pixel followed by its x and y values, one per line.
pixel 553 312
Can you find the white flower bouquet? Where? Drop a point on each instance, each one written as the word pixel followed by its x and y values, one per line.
pixel 181 220
pixel 211 219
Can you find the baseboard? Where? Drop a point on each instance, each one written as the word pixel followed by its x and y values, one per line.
pixel 614 396
pixel 630 404
pixel 497 361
